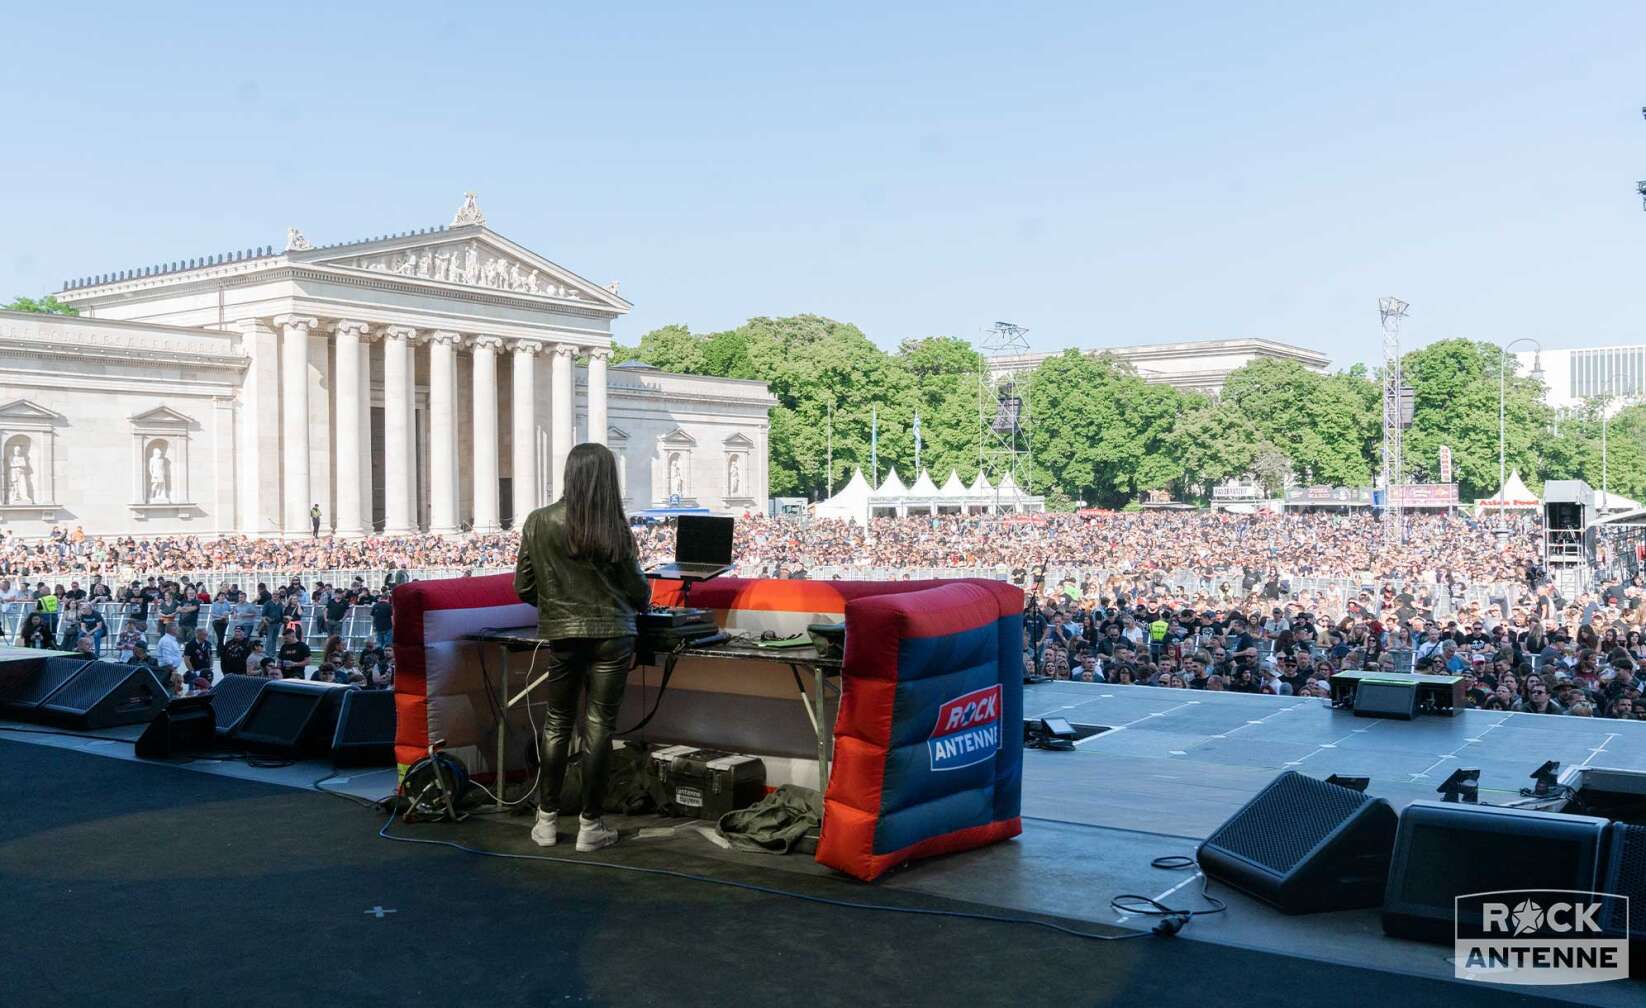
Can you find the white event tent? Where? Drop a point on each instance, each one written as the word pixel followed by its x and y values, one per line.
pixel 857 501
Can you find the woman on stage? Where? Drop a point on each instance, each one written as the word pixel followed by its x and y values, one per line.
pixel 578 565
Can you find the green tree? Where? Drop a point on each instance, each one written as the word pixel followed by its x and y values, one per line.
pixel 1455 386
pixel 1212 441
pixel 1575 452
pixel 1100 432
pixel 945 378
pixel 1326 424
pixel 48 305
pixel 672 348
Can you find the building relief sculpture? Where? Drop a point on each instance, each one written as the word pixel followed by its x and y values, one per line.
pixel 468 264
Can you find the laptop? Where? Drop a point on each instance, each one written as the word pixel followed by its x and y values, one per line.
pixel 702 549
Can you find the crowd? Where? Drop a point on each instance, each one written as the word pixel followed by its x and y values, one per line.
pixel 1440 548
pixel 191 637
pixel 1244 626
pixel 1583 656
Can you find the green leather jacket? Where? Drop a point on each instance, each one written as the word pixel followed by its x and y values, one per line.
pixel 575 598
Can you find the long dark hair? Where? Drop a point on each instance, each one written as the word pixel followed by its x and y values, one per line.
pixel 596 528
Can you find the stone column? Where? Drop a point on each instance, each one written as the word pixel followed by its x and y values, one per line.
pixel 259 436
pixel 597 393
pixel 523 482
pixel 563 426
pixel 347 442
pixel 443 433
pixel 397 430
pixel 294 421
pixel 485 433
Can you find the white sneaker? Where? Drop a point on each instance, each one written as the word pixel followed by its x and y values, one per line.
pixel 546 831
pixel 593 834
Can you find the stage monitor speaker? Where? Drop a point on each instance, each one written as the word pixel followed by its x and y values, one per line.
pixel 184 726
pixel 28 691
pixel 1305 846
pixel 107 694
pixel 1444 850
pixel 1386 698
pixel 232 697
pixel 1625 875
pixel 291 718
pixel 17 666
pixel 365 729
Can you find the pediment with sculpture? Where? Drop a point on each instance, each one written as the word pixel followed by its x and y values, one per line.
pixel 471 263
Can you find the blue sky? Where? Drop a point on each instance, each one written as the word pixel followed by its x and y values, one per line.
pixel 1103 174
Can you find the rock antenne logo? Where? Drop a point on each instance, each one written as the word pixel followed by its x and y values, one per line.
pixel 967 730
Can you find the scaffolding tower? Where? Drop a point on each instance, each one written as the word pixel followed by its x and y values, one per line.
pixel 1397 414
pixel 1003 404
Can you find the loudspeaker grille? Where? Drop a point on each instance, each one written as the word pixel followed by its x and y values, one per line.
pixel 1286 821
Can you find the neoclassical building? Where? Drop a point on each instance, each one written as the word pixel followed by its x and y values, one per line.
pixel 429 380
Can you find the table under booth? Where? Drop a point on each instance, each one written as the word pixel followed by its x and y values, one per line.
pixel 914 737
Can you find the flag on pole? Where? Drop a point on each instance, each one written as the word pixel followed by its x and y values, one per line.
pixel 917 443
pixel 874 444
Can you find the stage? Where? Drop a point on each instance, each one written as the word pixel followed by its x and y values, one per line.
pixel 221 878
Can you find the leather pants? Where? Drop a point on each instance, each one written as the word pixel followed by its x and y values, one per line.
pixel 602 663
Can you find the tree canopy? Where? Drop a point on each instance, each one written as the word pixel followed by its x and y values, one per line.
pixel 1099 433
pixel 48 305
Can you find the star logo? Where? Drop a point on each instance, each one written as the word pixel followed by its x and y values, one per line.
pixel 1527 918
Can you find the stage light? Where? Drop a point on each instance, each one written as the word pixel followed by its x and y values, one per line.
pixel 1049 733
pixel 1546 777
pixel 1462 786
pixel 1352 783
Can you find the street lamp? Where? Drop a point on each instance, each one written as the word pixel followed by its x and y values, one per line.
pixel 1502 378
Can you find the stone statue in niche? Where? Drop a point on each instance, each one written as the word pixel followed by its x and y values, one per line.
pixel 19 474
pixel 531 282
pixel 471 272
pixel 442 265
pixel 677 476
pixel 488 275
pixel 425 264
pixel 517 277
pixel 159 476
pixel 734 477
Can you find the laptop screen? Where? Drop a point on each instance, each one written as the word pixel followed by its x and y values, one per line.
pixel 703 539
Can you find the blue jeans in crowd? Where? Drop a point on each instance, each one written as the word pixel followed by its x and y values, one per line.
pixel 385 639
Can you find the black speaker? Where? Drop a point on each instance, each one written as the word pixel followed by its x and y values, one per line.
pixel 291 718
pixel 1304 846
pixel 232 697
pixel 1444 850
pixel 25 693
pixel 1386 699
pixel 365 729
pixel 1625 875
pixel 184 726
pixel 106 694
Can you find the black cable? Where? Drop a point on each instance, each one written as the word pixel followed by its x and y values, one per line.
pixel 1173 919
pixel 1165 929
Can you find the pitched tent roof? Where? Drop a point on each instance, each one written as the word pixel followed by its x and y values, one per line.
pixel 923 486
pixel 952 487
pixel 981 485
pixel 891 486
pixel 850 502
pixel 1008 486
pixel 1513 494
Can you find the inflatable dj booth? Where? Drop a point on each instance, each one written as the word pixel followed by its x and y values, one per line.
pixel 926 751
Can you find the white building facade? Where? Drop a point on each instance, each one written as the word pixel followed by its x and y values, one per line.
pixel 1200 366
pixel 1615 375
pixel 433 380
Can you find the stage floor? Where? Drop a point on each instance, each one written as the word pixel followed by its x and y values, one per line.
pixel 1172 766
